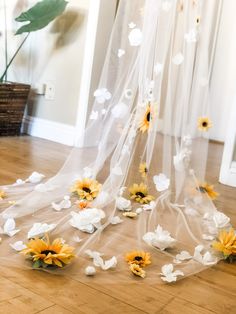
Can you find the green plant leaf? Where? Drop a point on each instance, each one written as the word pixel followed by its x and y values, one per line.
pixel 40 15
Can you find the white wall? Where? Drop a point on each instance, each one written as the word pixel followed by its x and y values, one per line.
pixel 223 84
pixel 56 55
pixel 53 54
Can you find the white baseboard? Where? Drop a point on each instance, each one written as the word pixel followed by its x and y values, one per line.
pixel 50 130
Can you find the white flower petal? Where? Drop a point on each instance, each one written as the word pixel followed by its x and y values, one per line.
pixel 182 159
pixel 19 182
pixel 116 220
pixel 178 273
pixel 122 190
pixel 191 36
pixel 39 229
pixel 167 269
pixel 18 246
pixel 208 237
pixel 99 262
pixel 132 25
pixel 206 258
pixel 135 37
pixel 117 170
pixel 169 278
pixel 176 261
pixel 168 274
pixel 111 263
pixel 93 115
pixel 139 210
pixel 221 220
pixel 149 206
pixel 160 238
pixel 120 111
pixel 77 239
pixel 35 177
pixel 93 254
pixel 178 58
pixel 102 95
pixel 123 204
pixel 120 53
pixel 166 5
pixel 64 204
pixel 125 150
pixel 9 228
pixel 162 182
pixel 90 271
pixel 183 255
pixel 187 140
pixel 87 220
pixel 158 68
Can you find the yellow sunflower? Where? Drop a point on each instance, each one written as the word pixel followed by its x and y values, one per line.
pixel 139 193
pixel 145 123
pixel 2 195
pixel 209 189
pixel 204 124
pixel 86 189
pixel 140 258
pixel 44 254
pixel 137 270
pixel 226 243
pixel 130 214
pixel 143 169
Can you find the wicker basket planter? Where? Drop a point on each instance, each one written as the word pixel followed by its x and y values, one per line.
pixel 13 99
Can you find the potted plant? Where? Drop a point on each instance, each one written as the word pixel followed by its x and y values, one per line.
pixel 13 96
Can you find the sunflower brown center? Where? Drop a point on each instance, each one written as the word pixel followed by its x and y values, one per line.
pixel 140 194
pixel 148 116
pixel 46 252
pixel 202 189
pixel 204 123
pixel 87 190
pixel 138 258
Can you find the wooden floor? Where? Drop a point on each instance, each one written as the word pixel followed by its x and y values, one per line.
pixel 212 291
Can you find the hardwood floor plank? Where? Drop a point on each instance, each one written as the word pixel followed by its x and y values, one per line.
pixel 69 293
pixel 202 294
pixel 14 298
pixel 56 309
pixel 138 295
pixel 212 291
pixel 220 279
pixel 180 306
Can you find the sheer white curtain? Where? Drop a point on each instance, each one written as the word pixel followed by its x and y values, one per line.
pixel 146 143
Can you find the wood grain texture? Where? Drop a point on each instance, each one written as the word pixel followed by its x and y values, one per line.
pixel 211 291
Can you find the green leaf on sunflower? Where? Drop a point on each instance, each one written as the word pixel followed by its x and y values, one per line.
pixel 37 264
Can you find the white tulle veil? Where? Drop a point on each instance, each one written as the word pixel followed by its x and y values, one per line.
pixel 153 90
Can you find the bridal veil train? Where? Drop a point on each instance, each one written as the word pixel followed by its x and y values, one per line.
pixel 132 204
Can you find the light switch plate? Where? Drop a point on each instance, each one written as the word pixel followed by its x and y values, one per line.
pixel 50 91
